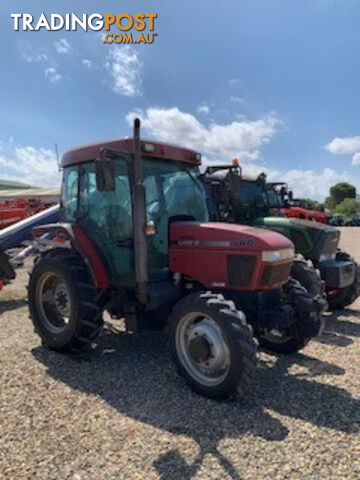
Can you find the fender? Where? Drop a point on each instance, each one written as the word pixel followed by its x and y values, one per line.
pixel 65 235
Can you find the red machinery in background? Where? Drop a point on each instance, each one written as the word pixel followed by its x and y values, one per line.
pixel 10 214
pixel 300 212
pixel 292 207
pixel 14 210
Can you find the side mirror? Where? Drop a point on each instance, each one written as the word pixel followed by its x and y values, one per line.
pixel 105 175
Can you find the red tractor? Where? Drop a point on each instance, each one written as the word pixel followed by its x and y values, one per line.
pixel 134 239
pixel 293 207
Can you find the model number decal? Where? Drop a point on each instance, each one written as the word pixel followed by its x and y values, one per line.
pixel 246 243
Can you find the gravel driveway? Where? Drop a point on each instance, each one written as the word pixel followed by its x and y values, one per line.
pixel 121 411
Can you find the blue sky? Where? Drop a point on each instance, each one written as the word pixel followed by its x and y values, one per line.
pixel 273 82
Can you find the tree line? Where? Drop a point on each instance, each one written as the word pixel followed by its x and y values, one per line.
pixel 342 201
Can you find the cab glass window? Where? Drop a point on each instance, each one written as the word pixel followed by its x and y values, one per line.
pixel 69 194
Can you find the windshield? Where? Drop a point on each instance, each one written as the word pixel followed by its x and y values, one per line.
pixel 273 197
pixel 252 193
pixel 171 194
pixel 171 191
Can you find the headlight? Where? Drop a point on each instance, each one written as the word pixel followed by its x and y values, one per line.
pixel 277 255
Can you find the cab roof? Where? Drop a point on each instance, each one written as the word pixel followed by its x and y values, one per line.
pixel 149 148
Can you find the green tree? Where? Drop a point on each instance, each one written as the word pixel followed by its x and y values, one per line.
pixel 312 204
pixel 342 190
pixel 330 203
pixel 348 207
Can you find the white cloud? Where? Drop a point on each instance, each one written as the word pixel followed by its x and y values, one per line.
pixel 62 46
pixel 41 57
pixel 204 108
pixel 31 56
pixel 343 145
pixel 346 145
pixel 316 185
pixel 242 139
pixel 87 63
pixel 233 81
pixel 356 159
pixel 124 66
pixel 34 166
pixel 53 75
pixel 237 100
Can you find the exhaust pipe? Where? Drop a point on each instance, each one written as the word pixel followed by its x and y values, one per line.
pixel 139 221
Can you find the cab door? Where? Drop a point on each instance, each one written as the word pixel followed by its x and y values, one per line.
pixel 107 218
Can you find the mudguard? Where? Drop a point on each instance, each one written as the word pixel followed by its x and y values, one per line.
pixel 65 235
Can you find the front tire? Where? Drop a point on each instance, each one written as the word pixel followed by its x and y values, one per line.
pixel 62 302
pixel 307 318
pixel 304 272
pixel 212 345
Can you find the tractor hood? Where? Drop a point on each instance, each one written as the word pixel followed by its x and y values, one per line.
pixel 312 239
pixel 286 222
pixel 226 236
pixel 229 256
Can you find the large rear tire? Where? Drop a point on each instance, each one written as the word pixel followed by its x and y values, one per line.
pixel 63 302
pixel 347 295
pixel 212 345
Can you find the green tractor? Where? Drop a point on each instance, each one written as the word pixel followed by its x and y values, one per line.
pixel 320 265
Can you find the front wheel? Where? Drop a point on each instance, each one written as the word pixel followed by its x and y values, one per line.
pixel 304 272
pixel 281 342
pixel 212 345
pixel 307 321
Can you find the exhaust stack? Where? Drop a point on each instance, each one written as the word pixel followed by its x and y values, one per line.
pixel 139 220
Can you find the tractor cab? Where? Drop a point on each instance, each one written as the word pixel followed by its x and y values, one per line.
pixel 172 190
pixel 237 198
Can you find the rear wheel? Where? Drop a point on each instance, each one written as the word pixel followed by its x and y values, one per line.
pixel 346 296
pixel 63 302
pixel 212 345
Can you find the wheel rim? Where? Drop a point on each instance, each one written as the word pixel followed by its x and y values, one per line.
pixel 203 349
pixel 54 301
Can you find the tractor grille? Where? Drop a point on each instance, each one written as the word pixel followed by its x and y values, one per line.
pixel 273 274
pixel 240 269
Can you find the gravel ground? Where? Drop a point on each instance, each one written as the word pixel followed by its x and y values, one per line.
pixel 121 412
